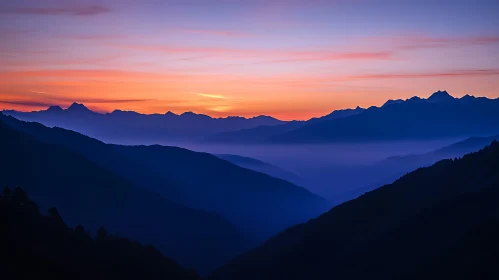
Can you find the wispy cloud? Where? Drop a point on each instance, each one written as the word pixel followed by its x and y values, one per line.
pixel 450 74
pixel 332 56
pixel 25 103
pixel 89 74
pixel 220 108
pixel 265 55
pixel 211 95
pixel 435 42
pixel 58 98
pixel 212 32
pixel 80 11
pixel 418 41
pixel 41 99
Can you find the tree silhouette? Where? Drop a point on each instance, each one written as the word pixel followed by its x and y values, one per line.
pixel 102 234
pixel 6 194
pixel 35 246
pixel 437 222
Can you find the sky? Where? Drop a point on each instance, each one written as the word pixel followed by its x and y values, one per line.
pixel 291 59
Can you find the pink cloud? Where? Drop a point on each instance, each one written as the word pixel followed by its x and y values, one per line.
pixel 431 42
pixel 416 41
pixel 266 55
pixel 87 74
pixel 81 11
pixel 211 32
pixel 27 103
pixel 450 74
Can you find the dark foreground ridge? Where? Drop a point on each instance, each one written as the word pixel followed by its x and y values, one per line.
pixel 259 205
pixel 35 246
pixel 439 222
pixel 92 195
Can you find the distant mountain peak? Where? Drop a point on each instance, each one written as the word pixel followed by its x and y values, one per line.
pixel 122 112
pixel 55 109
pixel 264 117
pixel 193 115
pixel 77 107
pixel 390 102
pixel 440 96
pixel 169 113
pixel 468 97
pixel 414 99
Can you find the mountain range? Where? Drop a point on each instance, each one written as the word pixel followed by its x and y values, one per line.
pixel 458 149
pixel 438 222
pixel 135 127
pixel 255 204
pixel 262 167
pixel 389 169
pixel 91 195
pixel 202 210
pixel 439 116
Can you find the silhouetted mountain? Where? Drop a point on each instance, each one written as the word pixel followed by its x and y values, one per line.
pixel 77 108
pixel 262 133
pixel 262 167
pixel 394 167
pixel 55 109
pixel 339 114
pixel 35 246
pixel 135 127
pixel 457 149
pixel 94 196
pixel 439 222
pixel 440 96
pixel 258 204
pixel 440 116
pixel 469 145
pixel 390 102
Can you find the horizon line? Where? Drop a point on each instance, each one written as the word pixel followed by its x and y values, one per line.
pixel 25 103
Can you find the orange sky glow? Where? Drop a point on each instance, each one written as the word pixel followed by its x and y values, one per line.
pixel 302 62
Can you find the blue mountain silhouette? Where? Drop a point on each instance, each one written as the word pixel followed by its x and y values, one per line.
pixel 133 126
pixel 258 204
pixel 91 194
pixel 439 116
pixel 439 222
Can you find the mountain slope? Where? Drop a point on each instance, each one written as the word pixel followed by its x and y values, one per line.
pixel 93 196
pixel 37 246
pixel 337 114
pixel 440 116
pixel 394 167
pixel 439 222
pixel 262 167
pixel 135 127
pixel 469 145
pixel 262 133
pixel 258 204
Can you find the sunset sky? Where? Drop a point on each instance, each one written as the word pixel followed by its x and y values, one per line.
pixel 292 59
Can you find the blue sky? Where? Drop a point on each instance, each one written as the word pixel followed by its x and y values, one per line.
pixel 291 59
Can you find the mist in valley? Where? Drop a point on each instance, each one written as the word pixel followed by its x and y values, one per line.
pixel 337 172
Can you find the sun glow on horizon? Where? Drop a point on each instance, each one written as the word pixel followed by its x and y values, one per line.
pixel 306 61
